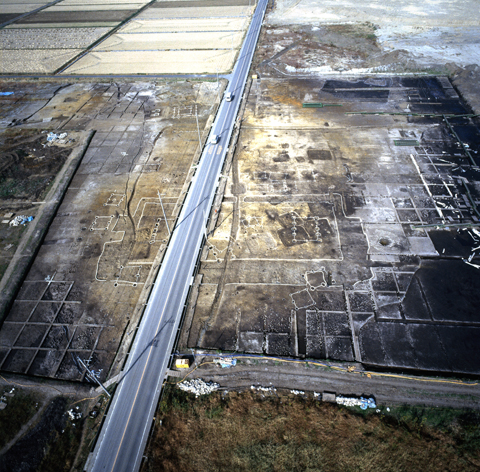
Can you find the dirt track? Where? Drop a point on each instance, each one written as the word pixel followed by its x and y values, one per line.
pixel 388 389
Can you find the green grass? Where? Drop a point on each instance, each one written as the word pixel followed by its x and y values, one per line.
pixel 23 188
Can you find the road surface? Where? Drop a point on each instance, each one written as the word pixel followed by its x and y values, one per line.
pixel 124 434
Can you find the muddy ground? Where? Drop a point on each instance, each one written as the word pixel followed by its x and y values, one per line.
pixel 305 38
pixel 85 291
pixel 346 230
pixel 36 169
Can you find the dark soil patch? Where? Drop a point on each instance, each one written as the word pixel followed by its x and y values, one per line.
pixel 28 166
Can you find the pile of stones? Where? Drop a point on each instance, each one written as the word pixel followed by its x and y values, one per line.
pixel 198 387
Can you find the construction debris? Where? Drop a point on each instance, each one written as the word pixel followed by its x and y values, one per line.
pixel 362 402
pixel 329 397
pixel 53 138
pixel 271 390
pixel 21 220
pixel 74 414
pixel 198 387
pixel 226 362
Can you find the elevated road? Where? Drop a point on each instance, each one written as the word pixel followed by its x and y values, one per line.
pixel 123 437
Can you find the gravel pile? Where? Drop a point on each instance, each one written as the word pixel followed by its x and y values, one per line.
pixel 198 387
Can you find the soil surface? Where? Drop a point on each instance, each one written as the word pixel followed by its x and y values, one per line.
pixel 387 388
pixel 346 230
pixel 88 284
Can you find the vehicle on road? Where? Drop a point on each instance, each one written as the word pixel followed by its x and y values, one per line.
pixel 229 96
pixel 214 138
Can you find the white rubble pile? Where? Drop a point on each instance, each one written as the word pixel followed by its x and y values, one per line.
pixel 21 220
pixel 362 402
pixel 348 401
pixel 74 414
pixel 3 402
pixel 53 138
pixel 264 389
pixel 226 362
pixel 198 387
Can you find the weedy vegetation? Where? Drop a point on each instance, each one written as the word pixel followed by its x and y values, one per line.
pixel 248 431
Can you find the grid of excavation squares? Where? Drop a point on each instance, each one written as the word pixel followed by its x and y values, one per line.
pixel 381 296
pixel 328 335
pixel 44 332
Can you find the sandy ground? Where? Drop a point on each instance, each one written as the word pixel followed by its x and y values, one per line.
pixel 44 61
pixel 22 8
pixel 180 25
pixel 162 41
pixel 49 38
pixel 154 62
pixel 431 33
pixel 210 37
pixel 21 2
pixel 433 13
pixel 201 12
pixel 61 7
pixel 199 45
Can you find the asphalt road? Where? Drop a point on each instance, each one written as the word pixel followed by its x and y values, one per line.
pixel 124 434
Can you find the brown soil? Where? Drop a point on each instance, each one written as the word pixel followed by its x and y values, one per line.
pixel 304 47
pixel 245 432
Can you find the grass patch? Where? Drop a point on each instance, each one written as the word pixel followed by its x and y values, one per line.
pixel 20 409
pixel 244 432
pixel 23 188
pixel 62 451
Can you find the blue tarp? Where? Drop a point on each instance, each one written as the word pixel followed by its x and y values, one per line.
pixel 367 403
